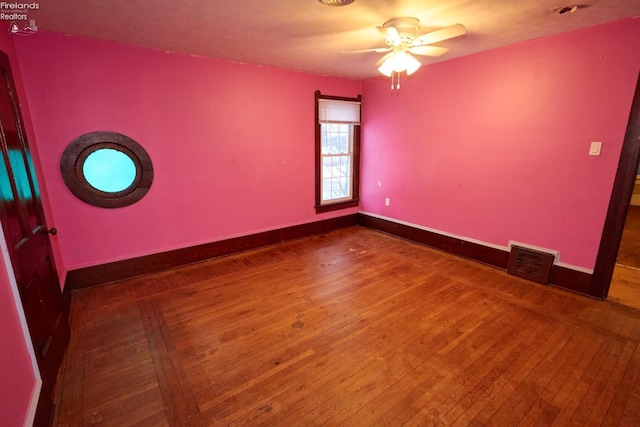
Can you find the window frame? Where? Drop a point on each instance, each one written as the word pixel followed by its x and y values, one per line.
pixel 321 207
pixel 77 152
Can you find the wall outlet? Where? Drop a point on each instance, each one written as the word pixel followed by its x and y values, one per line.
pixel 387 201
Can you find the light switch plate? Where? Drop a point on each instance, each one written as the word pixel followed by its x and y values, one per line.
pixel 595 148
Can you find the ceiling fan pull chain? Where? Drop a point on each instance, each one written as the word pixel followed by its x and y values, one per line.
pixel 398 84
pixel 392 80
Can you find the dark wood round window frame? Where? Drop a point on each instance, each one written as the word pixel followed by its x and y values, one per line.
pixel 76 153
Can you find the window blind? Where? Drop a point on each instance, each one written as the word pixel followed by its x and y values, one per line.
pixel 334 111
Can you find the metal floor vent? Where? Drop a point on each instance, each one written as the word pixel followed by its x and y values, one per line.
pixel 530 264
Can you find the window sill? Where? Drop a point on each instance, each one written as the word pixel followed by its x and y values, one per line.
pixel 337 206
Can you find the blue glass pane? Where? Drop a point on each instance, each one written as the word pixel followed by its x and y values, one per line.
pixel 109 170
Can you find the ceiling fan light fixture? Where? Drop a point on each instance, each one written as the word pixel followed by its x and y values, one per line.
pixel 336 2
pixel 386 68
pixel 413 66
pixel 405 62
pixel 398 62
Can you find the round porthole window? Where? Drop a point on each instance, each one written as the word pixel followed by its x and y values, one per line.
pixel 106 169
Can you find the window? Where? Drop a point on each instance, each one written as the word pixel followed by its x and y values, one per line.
pixel 106 169
pixel 337 152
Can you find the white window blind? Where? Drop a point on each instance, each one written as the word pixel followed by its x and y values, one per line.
pixel 334 111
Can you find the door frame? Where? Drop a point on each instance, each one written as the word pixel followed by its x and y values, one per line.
pixel 619 203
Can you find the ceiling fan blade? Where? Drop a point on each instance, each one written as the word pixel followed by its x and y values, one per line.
pixel 445 33
pixel 390 34
pixel 429 50
pixel 379 50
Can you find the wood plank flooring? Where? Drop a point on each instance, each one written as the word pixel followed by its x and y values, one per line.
pixel 348 328
pixel 625 284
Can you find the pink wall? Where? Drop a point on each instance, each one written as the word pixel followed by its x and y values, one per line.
pixel 232 144
pixel 494 146
pixel 491 146
pixel 17 378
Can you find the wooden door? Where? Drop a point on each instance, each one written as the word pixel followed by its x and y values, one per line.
pixel 27 239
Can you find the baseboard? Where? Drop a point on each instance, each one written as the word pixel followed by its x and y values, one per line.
pixel 66 300
pixel 563 277
pixel 119 270
pixel 475 251
pixel 573 280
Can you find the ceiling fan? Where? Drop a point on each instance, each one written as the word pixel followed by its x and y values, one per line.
pixel 401 37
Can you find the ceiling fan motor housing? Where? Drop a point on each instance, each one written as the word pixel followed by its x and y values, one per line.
pixel 407 29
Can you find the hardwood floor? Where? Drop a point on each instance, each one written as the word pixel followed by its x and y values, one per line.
pixel 625 284
pixel 352 328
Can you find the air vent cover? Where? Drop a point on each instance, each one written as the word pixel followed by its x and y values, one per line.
pixel 530 264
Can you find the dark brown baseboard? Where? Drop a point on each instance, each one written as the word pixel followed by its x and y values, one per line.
pixel 573 280
pixel 114 271
pixel 562 277
pixel 484 254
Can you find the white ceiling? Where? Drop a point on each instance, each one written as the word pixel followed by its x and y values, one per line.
pixel 305 35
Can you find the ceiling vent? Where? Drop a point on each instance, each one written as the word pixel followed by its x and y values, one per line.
pixel 336 2
pixel 561 10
